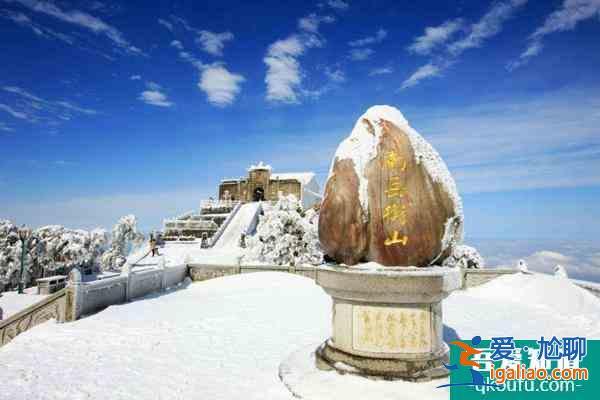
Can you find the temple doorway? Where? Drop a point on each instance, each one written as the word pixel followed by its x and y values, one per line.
pixel 259 194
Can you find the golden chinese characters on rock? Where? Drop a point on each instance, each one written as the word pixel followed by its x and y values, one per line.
pixel 407 211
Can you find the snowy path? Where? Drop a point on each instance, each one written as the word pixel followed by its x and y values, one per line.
pixel 238 225
pixel 225 339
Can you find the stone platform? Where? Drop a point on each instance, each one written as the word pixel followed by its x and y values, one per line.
pixel 387 322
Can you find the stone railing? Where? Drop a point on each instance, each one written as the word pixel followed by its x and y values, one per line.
pixel 51 284
pixel 52 307
pixel 89 297
pixel 225 224
pixel 203 271
pixel 475 277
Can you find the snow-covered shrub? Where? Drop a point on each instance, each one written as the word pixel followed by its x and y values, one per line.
pixel 286 235
pixel 124 234
pixel 10 253
pixel 463 256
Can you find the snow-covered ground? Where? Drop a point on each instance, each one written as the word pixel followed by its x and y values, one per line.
pixel 12 302
pixel 225 339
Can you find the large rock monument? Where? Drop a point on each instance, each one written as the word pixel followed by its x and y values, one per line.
pixel 389 197
pixel 390 217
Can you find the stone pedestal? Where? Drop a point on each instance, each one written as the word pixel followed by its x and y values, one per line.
pixel 387 321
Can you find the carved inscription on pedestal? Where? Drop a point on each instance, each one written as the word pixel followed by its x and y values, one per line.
pixel 391 330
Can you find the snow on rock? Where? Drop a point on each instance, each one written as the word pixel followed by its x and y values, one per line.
pixel 361 147
pixel 522 266
pixel 464 256
pixel 560 271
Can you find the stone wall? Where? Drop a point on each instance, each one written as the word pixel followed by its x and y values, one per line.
pixel 476 277
pixel 202 272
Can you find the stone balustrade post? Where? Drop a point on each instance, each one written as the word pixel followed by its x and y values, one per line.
pixel 128 270
pixel 163 272
pixel 75 296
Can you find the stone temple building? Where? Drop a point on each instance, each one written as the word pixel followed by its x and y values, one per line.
pixel 263 184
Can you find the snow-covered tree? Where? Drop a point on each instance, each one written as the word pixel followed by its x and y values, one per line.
pixel 61 248
pixel 50 249
pixel 463 256
pixel 286 235
pixel 10 252
pixel 124 234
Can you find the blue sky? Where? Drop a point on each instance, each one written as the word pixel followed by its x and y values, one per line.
pixel 142 107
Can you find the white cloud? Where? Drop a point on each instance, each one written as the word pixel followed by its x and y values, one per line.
pixel 424 72
pixel 166 24
pixel 153 85
pixel 74 107
pixel 490 24
pixel 339 5
pixel 381 71
pixel 311 22
pixel 22 93
pixel 155 98
pixel 5 128
pixel 187 57
pixel 24 21
pixel 361 54
pixel 220 85
pixel 32 108
pixel 435 36
pixel 335 74
pixel 177 44
pixel 81 19
pixel 379 36
pixel 213 43
pixel 519 143
pixel 91 212
pixel 13 112
pixel 283 73
pixel 564 19
pixel 135 77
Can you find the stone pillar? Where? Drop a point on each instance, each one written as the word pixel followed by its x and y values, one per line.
pixel 387 322
pixel 75 296
pixel 163 271
pixel 127 270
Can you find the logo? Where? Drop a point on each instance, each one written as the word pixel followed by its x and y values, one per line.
pixel 468 351
pixel 550 368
